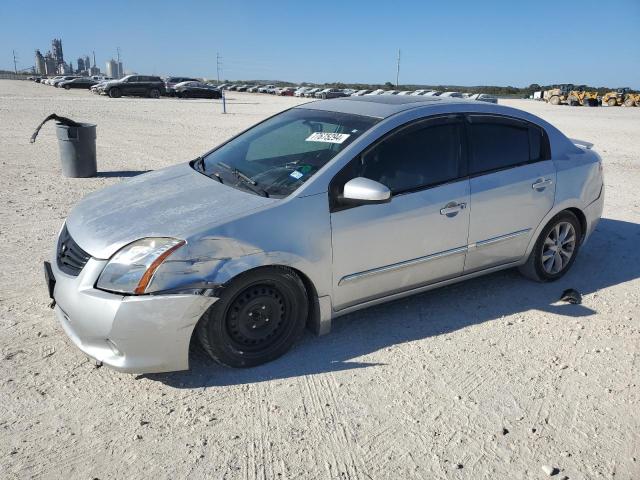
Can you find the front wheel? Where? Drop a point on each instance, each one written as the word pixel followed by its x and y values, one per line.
pixel 115 93
pixel 258 317
pixel 154 93
pixel 629 102
pixel 612 102
pixel 67 87
pixel 555 250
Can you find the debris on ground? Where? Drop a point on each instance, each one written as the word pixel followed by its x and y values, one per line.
pixel 572 296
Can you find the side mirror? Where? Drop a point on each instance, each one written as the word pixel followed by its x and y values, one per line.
pixel 360 190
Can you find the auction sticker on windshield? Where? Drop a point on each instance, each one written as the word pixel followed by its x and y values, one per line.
pixel 327 137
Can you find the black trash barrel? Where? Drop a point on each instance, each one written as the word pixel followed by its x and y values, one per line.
pixel 77 150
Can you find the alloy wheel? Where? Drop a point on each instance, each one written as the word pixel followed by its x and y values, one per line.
pixel 558 248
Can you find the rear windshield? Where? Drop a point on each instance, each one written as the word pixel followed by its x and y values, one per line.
pixel 278 155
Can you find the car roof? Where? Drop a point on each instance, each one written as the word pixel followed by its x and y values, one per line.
pixel 378 106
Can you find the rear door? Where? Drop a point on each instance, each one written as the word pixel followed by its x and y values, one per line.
pixel 512 181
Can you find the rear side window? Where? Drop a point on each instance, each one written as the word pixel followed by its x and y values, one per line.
pixel 418 157
pixel 498 143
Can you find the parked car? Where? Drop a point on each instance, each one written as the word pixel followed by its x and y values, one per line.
pixel 134 85
pixel 301 91
pixel 390 92
pixel 80 82
pixel 287 91
pixel 270 89
pixel 223 86
pixel 243 88
pixel 360 93
pixel 379 91
pixel 451 95
pixel 193 249
pixel 171 82
pixel 330 93
pixel 56 81
pixel 265 88
pixel 433 93
pixel 483 97
pixel 405 92
pixel 196 89
pixel 311 93
pixel 254 89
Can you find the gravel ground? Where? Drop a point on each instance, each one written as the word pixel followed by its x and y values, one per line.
pixel 491 378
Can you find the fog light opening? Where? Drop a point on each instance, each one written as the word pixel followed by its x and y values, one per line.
pixel 114 348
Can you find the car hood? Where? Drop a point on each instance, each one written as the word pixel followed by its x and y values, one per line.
pixel 173 202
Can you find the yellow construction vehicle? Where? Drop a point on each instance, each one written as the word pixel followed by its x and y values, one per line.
pixel 581 96
pixel 631 99
pixel 615 99
pixel 558 95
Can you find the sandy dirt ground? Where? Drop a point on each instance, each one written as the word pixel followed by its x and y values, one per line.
pixel 492 378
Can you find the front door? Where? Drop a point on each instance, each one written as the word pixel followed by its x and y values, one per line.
pixel 512 188
pixel 420 236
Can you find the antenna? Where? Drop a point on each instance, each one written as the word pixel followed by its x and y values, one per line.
pixel 398 71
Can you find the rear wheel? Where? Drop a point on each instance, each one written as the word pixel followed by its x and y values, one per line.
pixel 629 102
pixel 258 317
pixel 115 93
pixel 154 93
pixel 555 100
pixel 555 250
pixel 612 102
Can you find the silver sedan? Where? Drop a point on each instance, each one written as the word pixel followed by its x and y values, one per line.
pixel 321 210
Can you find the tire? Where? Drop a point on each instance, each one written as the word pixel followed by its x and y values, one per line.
pixel 543 269
pixel 236 333
pixel 629 102
pixel 115 93
pixel 555 100
pixel 67 87
pixel 154 93
pixel 612 102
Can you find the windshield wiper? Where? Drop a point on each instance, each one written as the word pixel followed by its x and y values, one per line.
pixel 199 165
pixel 251 184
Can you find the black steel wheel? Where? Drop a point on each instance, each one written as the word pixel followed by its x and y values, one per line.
pixel 258 317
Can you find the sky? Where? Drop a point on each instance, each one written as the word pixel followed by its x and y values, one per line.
pixel 470 43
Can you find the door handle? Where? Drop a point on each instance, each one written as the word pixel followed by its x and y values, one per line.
pixel 542 183
pixel 451 209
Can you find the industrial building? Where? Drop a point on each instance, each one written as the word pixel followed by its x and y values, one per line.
pixel 52 63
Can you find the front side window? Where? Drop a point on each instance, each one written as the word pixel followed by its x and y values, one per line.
pixel 278 155
pixel 417 157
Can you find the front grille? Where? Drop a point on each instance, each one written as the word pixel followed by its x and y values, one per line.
pixel 70 257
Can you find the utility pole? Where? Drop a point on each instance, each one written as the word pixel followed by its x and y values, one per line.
pixel 15 63
pixel 398 71
pixel 218 65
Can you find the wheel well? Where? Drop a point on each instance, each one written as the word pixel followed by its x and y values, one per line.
pixel 583 220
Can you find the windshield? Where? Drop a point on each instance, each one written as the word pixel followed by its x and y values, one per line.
pixel 278 155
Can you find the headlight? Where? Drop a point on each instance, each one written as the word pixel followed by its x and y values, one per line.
pixel 131 269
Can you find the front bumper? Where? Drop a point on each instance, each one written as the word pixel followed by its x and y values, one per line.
pixel 133 334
